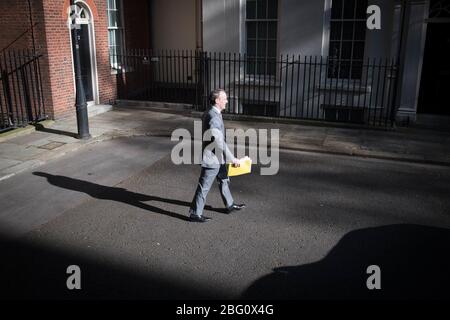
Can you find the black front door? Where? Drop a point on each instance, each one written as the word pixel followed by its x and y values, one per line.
pixel 434 93
pixel 85 60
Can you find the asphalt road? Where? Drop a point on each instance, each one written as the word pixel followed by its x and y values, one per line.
pixel 119 211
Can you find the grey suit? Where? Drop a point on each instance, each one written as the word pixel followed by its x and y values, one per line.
pixel 215 156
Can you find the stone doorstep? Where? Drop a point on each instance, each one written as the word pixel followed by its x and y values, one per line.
pixel 98 109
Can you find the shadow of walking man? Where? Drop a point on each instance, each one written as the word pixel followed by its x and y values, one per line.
pixel 113 193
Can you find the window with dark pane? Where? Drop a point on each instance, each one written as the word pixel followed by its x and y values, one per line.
pixel 347 38
pixel 261 34
pixel 115 32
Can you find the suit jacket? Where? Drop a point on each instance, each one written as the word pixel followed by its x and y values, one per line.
pixel 214 148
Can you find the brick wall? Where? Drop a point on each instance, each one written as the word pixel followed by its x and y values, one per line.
pixel 15 24
pixel 52 38
pixel 60 56
pixel 60 72
pixel 16 34
pixel 106 81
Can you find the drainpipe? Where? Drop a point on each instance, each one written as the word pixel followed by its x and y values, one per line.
pixel 198 25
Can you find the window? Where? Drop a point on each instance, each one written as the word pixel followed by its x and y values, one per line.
pixel 115 32
pixel 347 38
pixel 261 32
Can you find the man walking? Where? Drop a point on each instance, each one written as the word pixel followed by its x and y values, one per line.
pixel 215 155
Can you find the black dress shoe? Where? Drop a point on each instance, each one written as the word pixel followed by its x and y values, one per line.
pixel 199 219
pixel 235 207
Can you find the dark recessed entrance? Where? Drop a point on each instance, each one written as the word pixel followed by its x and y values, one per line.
pixel 85 61
pixel 434 95
pixel 85 42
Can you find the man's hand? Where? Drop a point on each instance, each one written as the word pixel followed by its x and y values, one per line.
pixel 236 162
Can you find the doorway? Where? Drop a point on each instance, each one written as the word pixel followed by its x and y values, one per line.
pixel 87 52
pixel 434 94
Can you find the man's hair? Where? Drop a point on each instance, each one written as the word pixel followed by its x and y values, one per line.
pixel 214 95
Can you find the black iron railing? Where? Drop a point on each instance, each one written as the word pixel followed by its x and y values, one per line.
pixel 21 95
pixel 303 87
pixel 167 76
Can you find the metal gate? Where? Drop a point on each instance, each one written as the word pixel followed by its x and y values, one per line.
pixel 21 98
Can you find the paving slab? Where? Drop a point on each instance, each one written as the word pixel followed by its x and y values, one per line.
pixel 30 139
pixel 19 152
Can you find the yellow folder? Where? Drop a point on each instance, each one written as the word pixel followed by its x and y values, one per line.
pixel 244 168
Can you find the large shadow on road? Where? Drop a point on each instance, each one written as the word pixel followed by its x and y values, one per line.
pixel 414 262
pixel 413 259
pixel 118 194
pixel 35 269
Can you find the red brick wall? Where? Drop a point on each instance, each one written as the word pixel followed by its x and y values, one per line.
pixel 16 30
pixel 60 56
pixel 60 73
pixel 15 24
pixel 52 38
pixel 106 81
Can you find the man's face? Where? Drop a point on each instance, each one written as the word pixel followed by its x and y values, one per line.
pixel 221 101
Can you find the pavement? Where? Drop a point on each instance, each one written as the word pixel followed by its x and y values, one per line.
pixel 38 144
